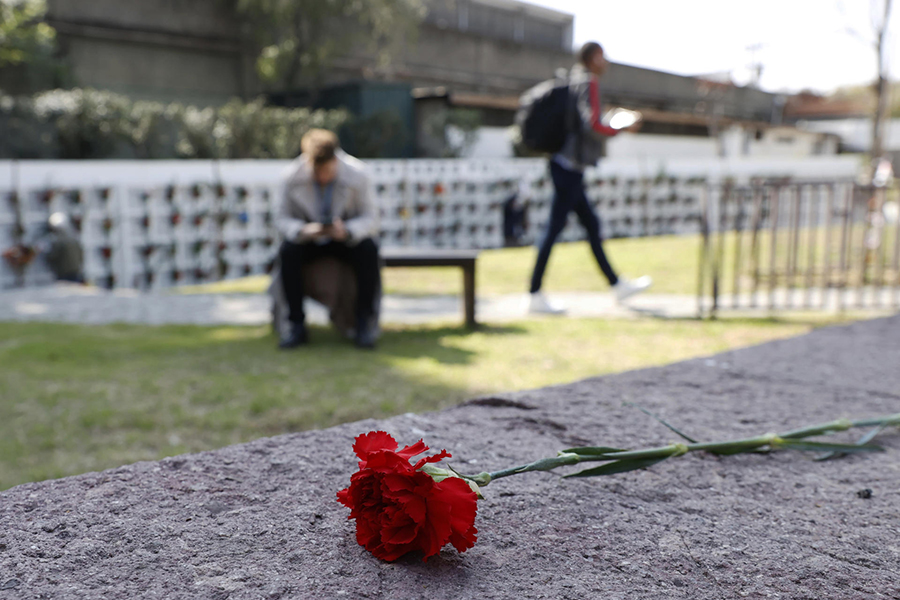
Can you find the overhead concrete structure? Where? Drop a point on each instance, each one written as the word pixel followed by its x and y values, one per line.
pixel 198 51
pixel 169 50
pixel 477 54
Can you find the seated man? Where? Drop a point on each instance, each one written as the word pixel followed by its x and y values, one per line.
pixel 326 211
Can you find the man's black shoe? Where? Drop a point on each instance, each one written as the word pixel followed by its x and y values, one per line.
pixel 366 334
pixel 296 337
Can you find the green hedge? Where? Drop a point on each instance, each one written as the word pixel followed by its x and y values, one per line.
pixel 84 123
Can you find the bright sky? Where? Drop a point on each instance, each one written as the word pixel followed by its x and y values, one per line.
pixel 804 44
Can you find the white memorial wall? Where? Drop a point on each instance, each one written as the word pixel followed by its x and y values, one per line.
pixel 154 224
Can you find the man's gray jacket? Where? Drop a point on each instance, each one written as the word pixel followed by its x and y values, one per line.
pixel 351 200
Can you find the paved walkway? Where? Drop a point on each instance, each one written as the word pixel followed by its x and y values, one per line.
pixel 79 304
pixel 89 305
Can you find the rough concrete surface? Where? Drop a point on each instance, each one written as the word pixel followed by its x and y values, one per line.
pixel 260 520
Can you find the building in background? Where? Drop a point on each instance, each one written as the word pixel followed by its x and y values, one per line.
pixel 174 51
pixel 454 91
pixel 847 117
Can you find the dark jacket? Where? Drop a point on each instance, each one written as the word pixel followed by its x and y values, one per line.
pixel 586 142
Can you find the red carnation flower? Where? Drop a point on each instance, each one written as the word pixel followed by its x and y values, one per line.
pixel 399 508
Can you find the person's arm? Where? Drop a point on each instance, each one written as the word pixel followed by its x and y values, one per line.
pixel 290 224
pixel 589 107
pixel 365 223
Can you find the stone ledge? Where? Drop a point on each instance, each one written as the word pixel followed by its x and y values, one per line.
pixel 260 520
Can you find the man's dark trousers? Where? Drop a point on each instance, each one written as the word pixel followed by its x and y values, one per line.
pixel 363 257
pixel 570 196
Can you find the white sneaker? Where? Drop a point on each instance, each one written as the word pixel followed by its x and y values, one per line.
pixel 625 288
pixel 538 304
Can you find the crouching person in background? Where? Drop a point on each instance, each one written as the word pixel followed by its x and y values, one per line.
pixel 326 211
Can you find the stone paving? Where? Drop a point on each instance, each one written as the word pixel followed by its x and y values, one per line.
pixel 89 305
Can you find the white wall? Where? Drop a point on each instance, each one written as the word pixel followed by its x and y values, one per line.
pixel 37 174
pixel 491 142
pixel 856 133
pixel 159 223
pixel 655 147
pixel 791 142
pixel 496 143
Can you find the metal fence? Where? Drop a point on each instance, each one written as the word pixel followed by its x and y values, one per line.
pixel 787 245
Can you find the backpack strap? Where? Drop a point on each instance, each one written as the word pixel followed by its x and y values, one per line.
pixel 573 121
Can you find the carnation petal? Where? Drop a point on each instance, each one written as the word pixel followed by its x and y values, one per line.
pixel 464 541
pixel 391 552
pixel 408 494
pixel 435 531
pixel 408 452
pixel 432 459
pixel 402 531
pixel 386 461
pixel 463 509
pixel 395 482
pixel 373 441
pixel 367 535
pixel 461 498
pixel 430 539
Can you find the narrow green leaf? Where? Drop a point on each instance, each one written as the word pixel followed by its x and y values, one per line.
pixel 828 447
pixel 868 437
pixel 593 450
pixel 663 422
pixel 738 451
pixel 619 466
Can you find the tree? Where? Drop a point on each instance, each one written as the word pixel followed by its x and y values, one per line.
pixel 303 37
pixel 882 86
pixel 24 36
pixel 879 42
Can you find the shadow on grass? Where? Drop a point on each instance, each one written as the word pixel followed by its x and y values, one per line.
pixel 79 398
pixel 430 342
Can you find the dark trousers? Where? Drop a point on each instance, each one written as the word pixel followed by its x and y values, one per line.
pixel 363 257
pixel 569 196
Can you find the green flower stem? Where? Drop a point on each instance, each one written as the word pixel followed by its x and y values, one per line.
pixel 841 425
pixel 768 441
pixel 544 464
pixel 822 429
pixel 891 420
pixel 662 452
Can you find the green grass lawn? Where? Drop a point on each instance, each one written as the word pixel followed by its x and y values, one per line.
pixel 80 398
pixel 670 260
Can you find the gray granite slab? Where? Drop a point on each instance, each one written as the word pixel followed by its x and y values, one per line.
pixel 260 520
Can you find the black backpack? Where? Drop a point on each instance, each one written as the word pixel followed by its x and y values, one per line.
pixel 543 116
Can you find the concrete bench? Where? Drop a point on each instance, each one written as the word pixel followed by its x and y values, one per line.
pixel 421 257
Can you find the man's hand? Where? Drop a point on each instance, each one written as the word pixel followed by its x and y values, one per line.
pixel 312 230
pixel 337 231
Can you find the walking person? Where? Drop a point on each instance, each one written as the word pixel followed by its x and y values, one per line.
pixel 583 147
